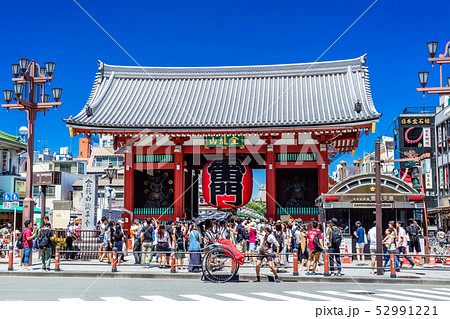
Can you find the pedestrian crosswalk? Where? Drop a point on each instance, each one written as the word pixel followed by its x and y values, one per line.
pixel 392 295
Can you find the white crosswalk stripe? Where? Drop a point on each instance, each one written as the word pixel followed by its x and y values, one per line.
pixel 445 293
pixel 114 299
pixel 157 298
pixel 239 297
pixel 345 295
pixel 199 298
pixel 312 296
pixel 416 294
pixel 275 296
pixel 444 289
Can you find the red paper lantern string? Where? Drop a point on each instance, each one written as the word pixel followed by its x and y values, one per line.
pixel 408 140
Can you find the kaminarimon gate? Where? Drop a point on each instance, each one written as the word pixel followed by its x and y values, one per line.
pixel 289 120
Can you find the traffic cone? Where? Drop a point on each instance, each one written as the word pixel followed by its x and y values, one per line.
pixel 346 257
pixel 417 259
pixel 447 259
pixel 432 259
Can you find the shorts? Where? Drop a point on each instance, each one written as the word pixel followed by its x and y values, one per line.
pixel 372 253
pixel 360 245
pixel 108 248
pixel 252 246
pixel 163 248
pixel 267 256
pixel 414 245
pixel 313 256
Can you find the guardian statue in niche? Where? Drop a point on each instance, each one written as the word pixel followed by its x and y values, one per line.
pixel 298 193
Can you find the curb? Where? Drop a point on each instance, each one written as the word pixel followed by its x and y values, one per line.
pixel 244 277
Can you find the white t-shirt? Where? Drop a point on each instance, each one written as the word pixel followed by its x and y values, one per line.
pixel 402 234
pixel 372 237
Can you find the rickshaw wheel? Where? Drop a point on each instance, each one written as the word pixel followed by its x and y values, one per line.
pixel 219 265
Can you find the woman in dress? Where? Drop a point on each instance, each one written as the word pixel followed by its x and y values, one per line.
pixel 194 249
pixel 162 246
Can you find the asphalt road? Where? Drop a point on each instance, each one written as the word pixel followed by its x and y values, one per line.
pixel 113 289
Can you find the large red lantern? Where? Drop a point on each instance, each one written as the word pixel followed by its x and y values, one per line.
pixel 227 183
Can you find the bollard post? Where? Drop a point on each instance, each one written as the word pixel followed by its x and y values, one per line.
pixel 172 264
pixel 10 262
pixel 57 256
pixel 392 257
pixel 295 262
pixel 326 263
pixel 114 260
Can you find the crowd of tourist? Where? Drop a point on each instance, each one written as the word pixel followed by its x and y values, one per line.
pixel 270 243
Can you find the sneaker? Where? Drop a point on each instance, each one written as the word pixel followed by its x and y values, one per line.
pixel 308 273
pixel 29 269
pixel 313 274
pixel 277 279
pixel 339 274
pixel 257 280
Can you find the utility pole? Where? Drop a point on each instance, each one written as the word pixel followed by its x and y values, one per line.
pixel 378 210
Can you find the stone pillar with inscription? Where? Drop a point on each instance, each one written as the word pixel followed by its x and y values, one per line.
pixel 90 195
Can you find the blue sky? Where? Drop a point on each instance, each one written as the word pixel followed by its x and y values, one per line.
pixel 215 33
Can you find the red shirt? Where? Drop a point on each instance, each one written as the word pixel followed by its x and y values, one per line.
pixel 310 235
pixel 27 243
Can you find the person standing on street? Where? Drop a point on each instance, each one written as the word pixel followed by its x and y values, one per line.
pixel 360 234
pixel 147 241
pixel 135 232
pixel 70 238
pixel 413 231
pixel 266 252
pixel 194 249
pixel 402 243
pixel 45 237
pixel 28 236
pixel 241 240
pixel 102 238
pixel 119 238
pixel 334 236
pixel 315 247
pixel 372 238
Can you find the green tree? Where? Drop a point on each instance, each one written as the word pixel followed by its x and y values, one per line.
pixel 259 207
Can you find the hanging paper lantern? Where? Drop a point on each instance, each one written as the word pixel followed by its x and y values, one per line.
pixel 227 183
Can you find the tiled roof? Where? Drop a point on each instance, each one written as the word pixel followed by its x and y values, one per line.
pixel 102 182
pixel 322 93
pixel 11 139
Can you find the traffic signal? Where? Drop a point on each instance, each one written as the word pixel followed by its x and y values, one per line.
pixel 416 177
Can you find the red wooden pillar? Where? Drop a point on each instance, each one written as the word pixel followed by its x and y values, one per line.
pixel 179 182
pixel 323 169
pixel 129 186
pixel 271 206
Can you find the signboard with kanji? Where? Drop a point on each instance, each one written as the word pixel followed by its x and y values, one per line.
pixel 90 194
pixel 227 183
pixel 4 161
pixel 415 121
pixel 224 141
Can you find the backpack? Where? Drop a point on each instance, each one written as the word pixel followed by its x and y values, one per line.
pixel 317 247
pixel 279 237
pixel 179 238
pixel 19 242
pixel 43 240
pixel 336 237
pixel 245 234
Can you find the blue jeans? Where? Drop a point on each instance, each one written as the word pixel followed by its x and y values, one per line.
pixel 402 250
pixel 26 255
pixel 387 257
pixel 333 250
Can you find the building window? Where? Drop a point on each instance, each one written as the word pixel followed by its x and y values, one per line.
pixel 50 191
pixel 35 191
pixel 80 168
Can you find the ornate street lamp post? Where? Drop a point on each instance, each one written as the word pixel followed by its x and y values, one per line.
pixel 29 87
pixel 423 79
pixel 110 173
pixel 442 59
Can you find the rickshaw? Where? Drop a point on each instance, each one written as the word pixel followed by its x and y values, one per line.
pixel 221 260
